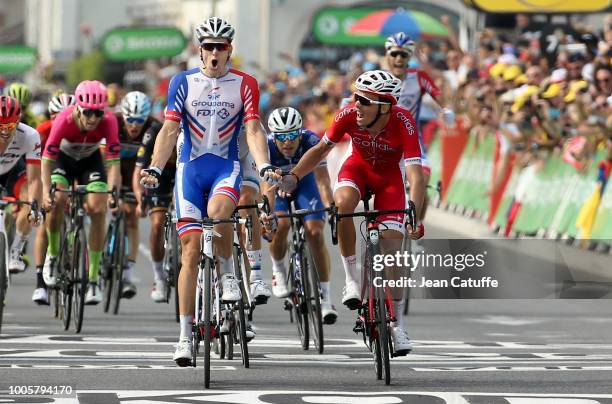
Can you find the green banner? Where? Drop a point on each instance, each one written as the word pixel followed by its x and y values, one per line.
pixel 331 25
pixel 142 43
pixel 16 59
pixel 472 176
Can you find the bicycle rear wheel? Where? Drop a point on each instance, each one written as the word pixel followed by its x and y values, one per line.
pixel 3 276
pixel 299 305
pixel 207 307
pixel 312 291
pixel 240 323
pixel 80 263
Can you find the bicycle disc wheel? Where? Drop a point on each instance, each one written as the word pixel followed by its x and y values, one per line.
pixel 80 265
pixel 3 276
pixel 299 307
pixel 107 266
pixel 119 260
pixel 312 291
pixel 207 307
pixel 383 331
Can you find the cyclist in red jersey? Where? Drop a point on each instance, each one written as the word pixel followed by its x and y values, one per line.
pixel 57 104
pixel 73 153
pixel 383 136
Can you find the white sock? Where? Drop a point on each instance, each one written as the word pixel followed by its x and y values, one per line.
pixel 255 263
pixel 325 291
pixel 186 322
pixel 226 265
pixel 351 272
pixel 128 270
pixel 278 266
pixel 158 270
pixel 19 241
pixel 398 310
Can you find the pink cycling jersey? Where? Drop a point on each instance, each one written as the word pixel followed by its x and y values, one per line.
pixel 66 137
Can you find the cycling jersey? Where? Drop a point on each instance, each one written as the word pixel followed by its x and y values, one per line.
pixel 415 85
pixel 25 142
pixel 44 129
pixel 383 151
pixel 306 194
pixel 211 111
pixel 67 138
pixel 376 163
pixel 160 197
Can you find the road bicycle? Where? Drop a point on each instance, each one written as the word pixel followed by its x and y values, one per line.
pixel 304 300
pixel 73 261
pixel 375 312
pixel 7 224
pixel 206 326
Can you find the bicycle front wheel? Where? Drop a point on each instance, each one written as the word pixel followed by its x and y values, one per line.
pixel 208 324
pixel 118 260
pixel 107 267
pixel 382 326
pixel 298 302
pixel 3 275
pixel 241 324
pixel 80 263
pixel 312 291
pixel 65 278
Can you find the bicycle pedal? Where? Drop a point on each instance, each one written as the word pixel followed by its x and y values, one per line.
pixel 358 328
pixel 288 305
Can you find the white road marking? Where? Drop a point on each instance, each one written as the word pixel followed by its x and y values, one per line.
pixel 507 320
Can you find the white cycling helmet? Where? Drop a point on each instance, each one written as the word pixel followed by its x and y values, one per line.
pixel 381 83
pixel 285 119
pixel 400 40
pixel 214 27
pixel 136 104
pixel 61 102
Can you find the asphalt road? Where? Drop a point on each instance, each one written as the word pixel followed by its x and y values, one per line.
pixel 466 351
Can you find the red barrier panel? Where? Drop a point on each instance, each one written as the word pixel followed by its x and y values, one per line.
pixel 452 143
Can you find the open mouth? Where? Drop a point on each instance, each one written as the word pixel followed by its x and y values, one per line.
pixel 214 63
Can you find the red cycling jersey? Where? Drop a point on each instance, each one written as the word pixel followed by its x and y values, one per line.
pixel 376 163
pixel 397 141
pixel 66 137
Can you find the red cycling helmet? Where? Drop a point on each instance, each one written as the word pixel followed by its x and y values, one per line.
pixel 10 110
pixel 91 94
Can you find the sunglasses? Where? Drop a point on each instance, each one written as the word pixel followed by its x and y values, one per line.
pixel 215 45
pixel 365 101
pixel 98 113
pixel 131 120
pixel 8 126
pixel 283 137
pixel 395 54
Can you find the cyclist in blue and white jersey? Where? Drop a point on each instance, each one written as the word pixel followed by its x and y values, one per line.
pixel 209 105
pixel 287 143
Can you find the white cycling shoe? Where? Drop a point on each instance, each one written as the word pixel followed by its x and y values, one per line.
pixel 94 295
pixel 351 295
pixel 40 296
pixel 158 293
pixel 328 312
pixel 279 285
pixel 231 288
pixel 401 343
pixel 49 270
pixel 260 292
pixel 16 262
pixel 182 354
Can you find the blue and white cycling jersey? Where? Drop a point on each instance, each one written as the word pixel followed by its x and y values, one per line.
pixel 211 111
pixel 306 195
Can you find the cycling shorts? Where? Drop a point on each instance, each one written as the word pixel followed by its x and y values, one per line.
pixel 386 184
pixel 200 179
pixel 89 171
pixel 13 180
pixel 306 196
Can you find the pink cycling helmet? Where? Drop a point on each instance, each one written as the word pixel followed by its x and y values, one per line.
pixel 91 94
